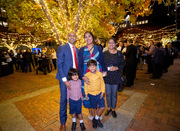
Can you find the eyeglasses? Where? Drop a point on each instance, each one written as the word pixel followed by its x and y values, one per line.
pixel 111 43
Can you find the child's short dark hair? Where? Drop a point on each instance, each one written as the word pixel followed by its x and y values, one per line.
pixel 71 73
pixel 91 62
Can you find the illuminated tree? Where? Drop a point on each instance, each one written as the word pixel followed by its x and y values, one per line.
pixel 55 18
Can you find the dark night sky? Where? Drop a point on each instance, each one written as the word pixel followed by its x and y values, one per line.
pixel 160 15
pixel 158 19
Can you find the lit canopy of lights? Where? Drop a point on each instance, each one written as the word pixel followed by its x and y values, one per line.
pixel 164 35
pixel 44 19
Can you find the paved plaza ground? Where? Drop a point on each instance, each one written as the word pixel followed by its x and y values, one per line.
pixel 30 102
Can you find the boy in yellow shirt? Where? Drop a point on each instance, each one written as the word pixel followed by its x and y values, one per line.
pixel 95 91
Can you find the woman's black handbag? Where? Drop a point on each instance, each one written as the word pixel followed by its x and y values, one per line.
pixel 121 84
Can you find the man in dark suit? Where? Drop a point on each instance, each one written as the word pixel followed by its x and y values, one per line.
pixel 131 60
pixel 151 52
pixel 66 59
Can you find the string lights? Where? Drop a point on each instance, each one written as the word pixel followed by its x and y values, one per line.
pixel 164 35
pixel 63 16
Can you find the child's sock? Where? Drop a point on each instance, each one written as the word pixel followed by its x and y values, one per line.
pixel 90 117
pixel 80 121
pixel 74 119
pixel 96 117
pixel 101 117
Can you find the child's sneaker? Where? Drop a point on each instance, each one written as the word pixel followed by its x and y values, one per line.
pixel 94 123
pixel 73 128
pixel 83 128
pixel 98 122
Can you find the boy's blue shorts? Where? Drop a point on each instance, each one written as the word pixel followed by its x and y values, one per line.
pixel 95 101
pixel 75 106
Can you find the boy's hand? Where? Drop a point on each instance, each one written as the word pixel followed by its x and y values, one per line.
pixel 86 97
pixel 82 98
pixel 86 80
pixel 102 94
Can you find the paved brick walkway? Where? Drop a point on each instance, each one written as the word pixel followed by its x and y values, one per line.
pixel 21 83
pixel 159 111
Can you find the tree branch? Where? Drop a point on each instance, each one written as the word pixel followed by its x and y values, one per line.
pixel 50 20
pixel 62 14
pixel 77 15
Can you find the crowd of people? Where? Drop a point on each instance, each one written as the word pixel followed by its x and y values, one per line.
pixel 46 60
pixel 94 72
pixel 157 57
pixel 24 60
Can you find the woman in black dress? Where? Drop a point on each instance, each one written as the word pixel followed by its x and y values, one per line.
pixel 114 62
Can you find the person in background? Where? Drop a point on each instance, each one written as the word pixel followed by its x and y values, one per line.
pixel 32 61
pixel 49 58
pixel 27 60
pixel 157 62
pixel 141 58
pixel 18 60
pixel 124 51
pixel 35 57
pixel 125 47
pixel 105 48
pixel 54 58
pixel 114 62
pixel 39 57
pixel 7 59
pixel 12 55
pixel 74 98
pixel 137 55
pixel 164 65
pixel 150 53
pixel 96 40
pixel 43 63
pixel 22 60
pixel 147 57
pixel 121 46
pixel 171 54
pixel 95 92
pixel 103 45
pixel 130 63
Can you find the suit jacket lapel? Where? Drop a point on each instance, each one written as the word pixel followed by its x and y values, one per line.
pixel 69 51
pixel 77 54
